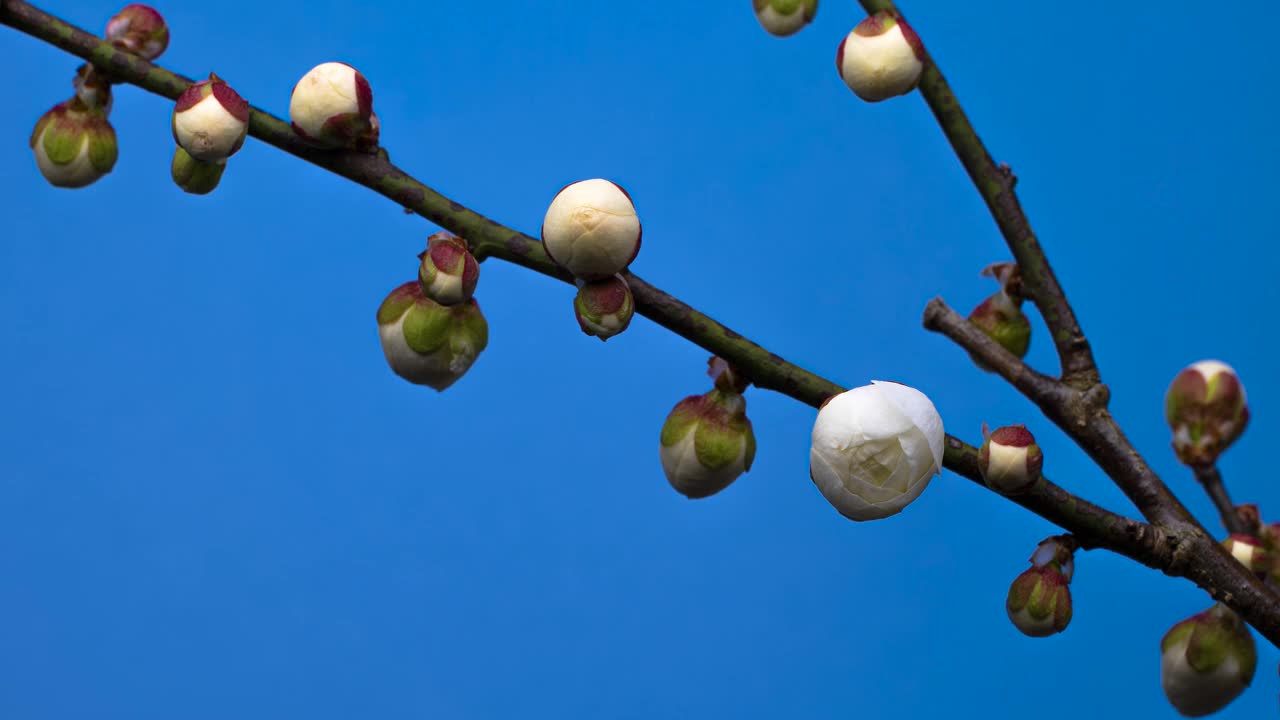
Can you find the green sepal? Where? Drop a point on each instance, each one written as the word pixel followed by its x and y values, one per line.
pixel 680 421
pixel 103 151
pixel 426 326
pixel 63 141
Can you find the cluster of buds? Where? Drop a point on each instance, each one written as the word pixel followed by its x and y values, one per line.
pixel 1009 459
pixel 882 57
pixel 210 122
pixel 784 17
pixel 73 143
pixel 1000 316
pixel 332 107
pixel 592 231
pixel 428 343
pixel 1206 409
pixel 706 441
pixel 1206 661
pixel 1039 601
pixel 875 448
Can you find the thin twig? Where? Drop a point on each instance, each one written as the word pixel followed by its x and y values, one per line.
pixel 1211 480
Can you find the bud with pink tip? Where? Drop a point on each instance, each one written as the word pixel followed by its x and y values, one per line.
pixel 707 443
pixel 448 271
pixel 74 145
pixel 210 120
pixel 604 307
pixel 195 176
pixel 1206 409
pixel 332 107
pixel 881 58
pixel 784 17
pixel 428 343
pixel 591 229
pixel 140 30
pixel 1249 550
pixel 1206 661
pixel 1039 601
pixel 1010 460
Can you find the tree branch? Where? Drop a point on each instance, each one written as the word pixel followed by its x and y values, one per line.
pixel 1175 550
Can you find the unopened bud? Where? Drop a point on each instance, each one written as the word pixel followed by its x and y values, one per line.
pixel 92 88
pixel 74 145
pixel 448 271
pixel 195 176
pixel 140 30
pixel 604 307
pixel 1249 550
pixel 881 58
pixel 784 17
pixel 706 443
pixel 1039 602
pixel 210 120
pixel 1206 409
pixel 591 229
pixel 1206 661
pixel 1010 459
pixel 428 343
pixel 332 107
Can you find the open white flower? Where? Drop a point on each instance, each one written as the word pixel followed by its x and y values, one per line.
pixel 875 449
pixel 591 229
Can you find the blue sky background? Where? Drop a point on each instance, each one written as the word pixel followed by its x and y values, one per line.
pixel 216 500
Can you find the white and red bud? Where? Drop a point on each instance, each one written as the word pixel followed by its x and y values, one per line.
pixel 1249 550
pixel 1206 661
pixel 1206 409
pixel 881 58
pixel 210 120
pixel 706 443
pixel 591 229
pixel 74 145
pixel 1000 316
pixel 1010 460
pixel 784 17
pixel 1039 600
pixel 875 448
pixel 448 271
pixel 195 176
pixel 332 107
pixel 140 30
pixel 428 343
pixel 604 307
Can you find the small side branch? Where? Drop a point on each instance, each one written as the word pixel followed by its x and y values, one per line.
pixel 1211 480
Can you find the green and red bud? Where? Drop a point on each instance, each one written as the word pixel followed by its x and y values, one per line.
pixel 195 176
pixel 1250 551
pixel 448 271
pixel 74 145
pixel 881 58
pixel 604 307
pixel 332 107
pixel 706 443
pixel 1000 316
pixel 139 29
pixel 784 17
pixel 1206 409
pixel 1206 661
pixel 1010 460
pixel 1039 600
pixel 428 343
pixel 210 120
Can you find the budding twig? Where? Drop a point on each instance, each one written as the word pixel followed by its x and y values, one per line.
pixel 1211 480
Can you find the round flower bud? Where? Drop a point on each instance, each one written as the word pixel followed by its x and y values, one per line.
pixel 591 229
pixel 140 30
pixel 706 443
pixel 74 145
pixel 210 120
pixel 881 58
pixel 784 17
pixel 448 271
pixel 428 343
pixel 1039 602
pixel 1206 661
pixel 332 106
pixel 1249 550
pixel 875 449
pixel 195 176
pixel 1206 409
pixel 604 307
pixel 1002 319
pixel 1010 460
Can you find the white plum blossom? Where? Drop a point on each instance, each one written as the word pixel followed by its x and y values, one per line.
pixel 875 449
pixel 591 229
pixel 882 57
pixel 332 106
pixel 210 120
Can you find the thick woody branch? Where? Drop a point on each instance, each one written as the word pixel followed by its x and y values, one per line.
pixel 1174 550
pixel 995 183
